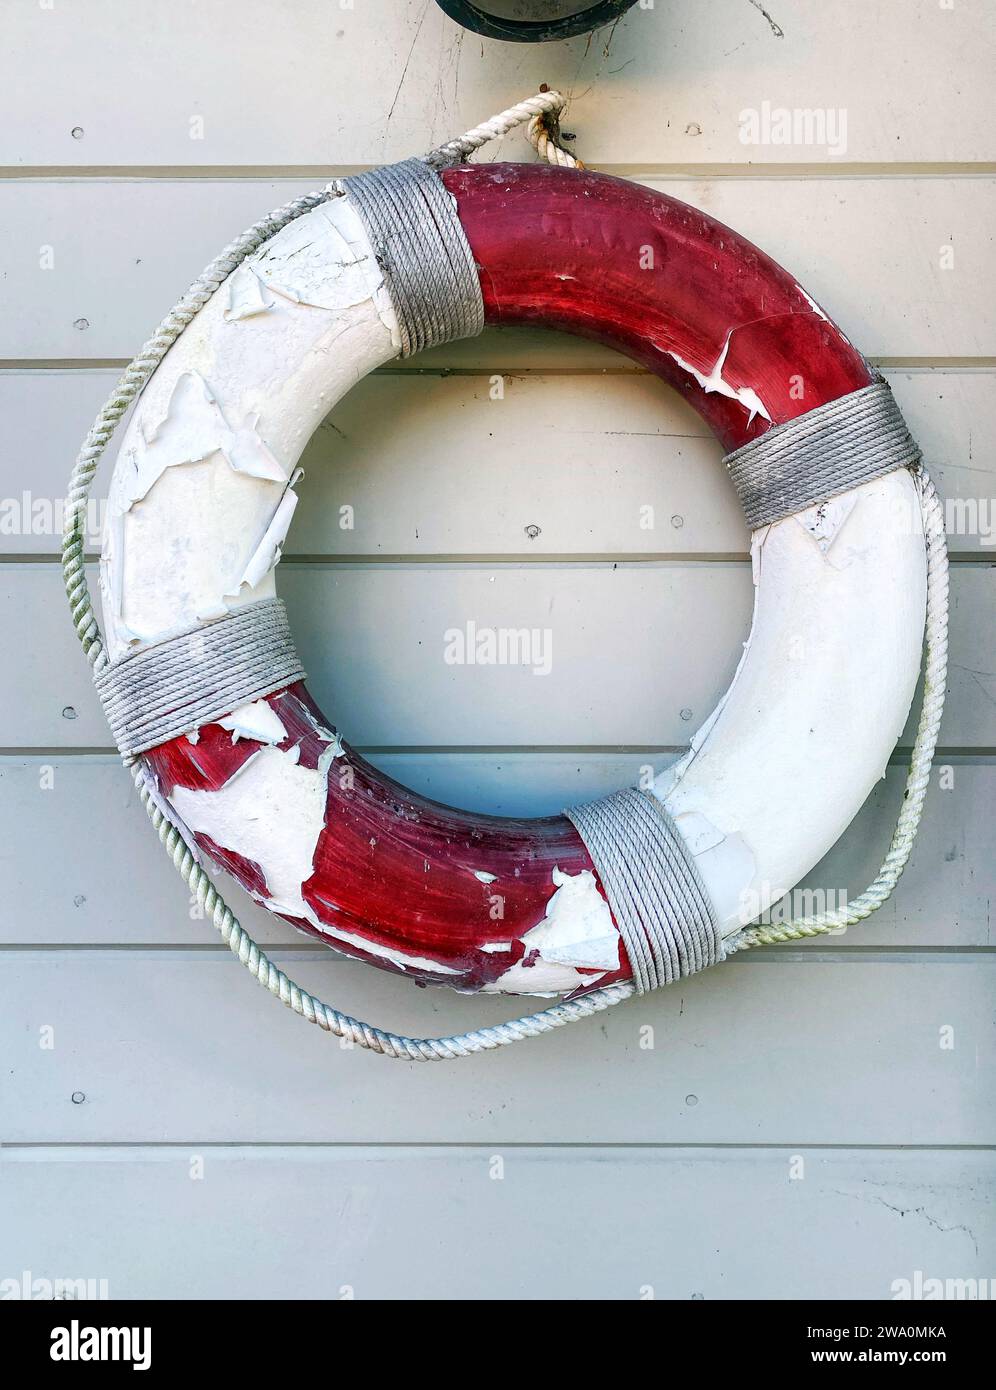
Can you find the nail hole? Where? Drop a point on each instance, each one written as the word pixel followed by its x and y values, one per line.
pixel 686 714
pixel 677 521
pixel 691 1100
pixel 77 132
pixel 68 712
pixel 78 1097
pixel 532 531
pixel 81 324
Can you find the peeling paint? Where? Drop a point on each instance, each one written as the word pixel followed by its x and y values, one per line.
pixel 328 755
pixel 541 979
pixel 402 959
pixel 247 295
pixel 484 877
pixel 824 523
pixel 578 927
pixel 328 268
pixel 746 395
pixel 258 721
pixel 193 428
pixel 267 554
pixel 816 308
pixel 271 811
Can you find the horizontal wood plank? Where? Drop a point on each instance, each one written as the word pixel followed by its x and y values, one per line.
pixel 527 466
pixel 116 886
pixel 490 1224
pixel 114 262
pixel 792 1048
pixel 373 640
pixel 215 82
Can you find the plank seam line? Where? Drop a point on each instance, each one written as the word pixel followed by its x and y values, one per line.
pixel 183 1146
pixel 628 559
pixel 793 954
pixel 977 362
pixel 727 170
pixel 980 754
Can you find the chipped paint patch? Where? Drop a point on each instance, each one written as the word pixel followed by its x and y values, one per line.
pixel 331 268
pixel 824 523
pixel 578 927
pixel 247 295
pixel 328 755
pixel 402 959
pixel 542 979
pixel 485 877
pixel 194 427
pixel 257 721
pixel 271 811
pixel 267 554
pixel 816 308
pixel 713 382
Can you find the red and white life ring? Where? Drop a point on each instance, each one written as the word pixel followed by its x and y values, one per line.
pixel 203 493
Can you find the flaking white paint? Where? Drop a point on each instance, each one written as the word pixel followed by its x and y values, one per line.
pixel 201 496
pixel 713 381
pixel 577 928
pixel 257 720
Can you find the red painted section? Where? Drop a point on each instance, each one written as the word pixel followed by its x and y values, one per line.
pixel 617 263
pixel 645 274
pixel 391 867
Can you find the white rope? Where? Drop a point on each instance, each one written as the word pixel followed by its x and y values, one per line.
pixel 540 114
pixel 171 834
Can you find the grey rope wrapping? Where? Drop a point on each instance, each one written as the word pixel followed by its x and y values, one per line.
pixel 198 676
pixel 654 888
pixel 829 450
pixel 411 219
pixel 171 834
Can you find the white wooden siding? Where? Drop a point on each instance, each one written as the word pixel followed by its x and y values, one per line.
pixel 672 1166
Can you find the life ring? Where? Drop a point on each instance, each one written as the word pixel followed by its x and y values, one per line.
pixel 203 492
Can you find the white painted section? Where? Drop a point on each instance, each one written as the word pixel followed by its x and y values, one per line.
pixel 833 1047
pixel 200 499
pixel 817 703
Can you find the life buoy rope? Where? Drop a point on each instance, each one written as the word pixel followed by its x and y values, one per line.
pixel 172 834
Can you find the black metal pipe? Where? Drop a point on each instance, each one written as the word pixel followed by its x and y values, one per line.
pixel 523 21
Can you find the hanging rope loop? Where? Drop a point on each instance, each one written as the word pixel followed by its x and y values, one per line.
pixel 540 114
